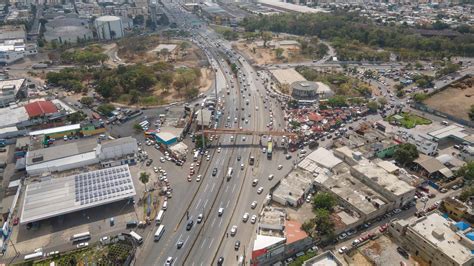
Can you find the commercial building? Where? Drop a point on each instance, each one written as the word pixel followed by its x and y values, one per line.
pixel 310 91
pixel 79 154
pixel 109 27
pixel 321 157
pixel 11 90
pixel 431 167
pixel 12 32
pixel 292 190
pixel 13 44
pixel 60 196
pixel 388 185
pixel 286 76
pixel 424 143
pixel 436 239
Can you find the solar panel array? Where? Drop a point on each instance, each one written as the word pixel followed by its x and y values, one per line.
pixel 103 184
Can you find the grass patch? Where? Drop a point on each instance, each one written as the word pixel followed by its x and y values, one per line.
pixel 408 120
pixel 299 261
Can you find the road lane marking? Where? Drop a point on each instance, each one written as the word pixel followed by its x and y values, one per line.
pixel 212 241
pixel 202 245
pixel 233 188
pixel 220 222
pixel 205 203
pixel 213 186
pixel 227 206
pixel 186 240
pixel 226 188
pixel 213 221
pixel 197 205
pixel 207 185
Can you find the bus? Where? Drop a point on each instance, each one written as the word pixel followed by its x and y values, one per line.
pixel 269 149
pixel 159 217
pixel 35 255
pixel 159 232
pixel 144 124
pixel 81 237
pixel 137 237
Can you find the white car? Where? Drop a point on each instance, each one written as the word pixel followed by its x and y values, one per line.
pixel 253 205
pixel 253 219
pixel 219 149
pixel 155 169
pixel 233 230
pixel 81 245
pixel 270 177
pixel 260 190
pixel 342 250
pixel 264 150
pixel 245 218
pixel 243 138
pixel 169 261
pixel 162 159
pixel 208 157
pixel 280 167
pixel 198 178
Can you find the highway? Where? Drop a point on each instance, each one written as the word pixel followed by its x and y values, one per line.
pixel 204 243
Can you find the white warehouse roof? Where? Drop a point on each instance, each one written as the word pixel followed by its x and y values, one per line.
pixel 59 196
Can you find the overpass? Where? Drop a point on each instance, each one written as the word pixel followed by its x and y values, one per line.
pixel 231 131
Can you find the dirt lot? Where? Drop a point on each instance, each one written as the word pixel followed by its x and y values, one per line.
pixel 382 251
pixel 267 55
pixel 455 100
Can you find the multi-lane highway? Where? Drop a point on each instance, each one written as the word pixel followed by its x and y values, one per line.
pixel 246 106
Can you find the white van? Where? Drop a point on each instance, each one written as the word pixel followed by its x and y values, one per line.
pixel 165 205
pixel 444 123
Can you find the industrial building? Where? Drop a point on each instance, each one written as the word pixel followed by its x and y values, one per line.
pixel 11 90
pixel 79 154
pixel 13 45
pixel 60 196
pixel 293 189
pixel 109 27
pixel 437 240
pixel 68 28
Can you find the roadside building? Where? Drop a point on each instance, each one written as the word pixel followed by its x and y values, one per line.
pixel 68 28
pixel 436 239
pixel 59 196
pixel 11 90
pixel 79 154
pixel 321 157
pixel 458 210
pixel 467 153
pixel 326 258
pixel 431 167
pixel 292 190
pixel 286 76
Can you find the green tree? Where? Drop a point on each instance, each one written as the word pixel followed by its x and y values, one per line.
pixel 337 101
pixel 164 53
pixel 106 109
pixel 199 144
pixel 266 37
pixel 279 52
pixel 382 101
pixel 405 153
pixel 471 113
pixel 87 101
pixel 308 226
pixel 419 97
pixel 373 106
pixel 466 171
pixel 144 178
pixel 324 224
pixel 135 96
pixel 139 20
pixel 324 200
pixel 137 128
pixel 76 117
pixel 184 45
pixel 467 193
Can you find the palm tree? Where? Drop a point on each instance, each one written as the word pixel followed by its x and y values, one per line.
pixel 144 178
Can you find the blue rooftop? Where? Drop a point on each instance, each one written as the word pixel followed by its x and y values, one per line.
pixel 462 225
pixel 470 235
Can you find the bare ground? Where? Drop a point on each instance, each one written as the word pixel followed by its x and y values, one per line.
pixel 455 100
pixel 267 55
